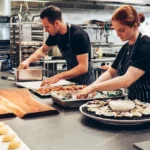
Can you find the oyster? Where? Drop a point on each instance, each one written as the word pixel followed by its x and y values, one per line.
pixel 145 111
pixel 127 114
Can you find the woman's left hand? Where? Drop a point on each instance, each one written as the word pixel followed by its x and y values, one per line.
pixel 84 92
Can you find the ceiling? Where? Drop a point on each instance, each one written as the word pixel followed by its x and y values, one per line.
pixel 141 2
pixel 37 5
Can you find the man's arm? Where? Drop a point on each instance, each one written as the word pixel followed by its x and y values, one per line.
pixel 80 69
pixel 39 53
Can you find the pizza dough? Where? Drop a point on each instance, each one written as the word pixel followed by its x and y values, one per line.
pixel 3 130
pixel 8 137
pixel 2 124
pixel 14 144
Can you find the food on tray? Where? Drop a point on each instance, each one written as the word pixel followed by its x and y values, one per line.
pixel 2 124
pixel 69 95
pixel 14 144
pixel 99 94
pixel 3 130
pixel 45 90
pixel 8 137
pixel 115 93
pixel 63 95
pixel 122 109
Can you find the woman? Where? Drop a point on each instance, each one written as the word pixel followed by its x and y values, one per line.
pixel 131 67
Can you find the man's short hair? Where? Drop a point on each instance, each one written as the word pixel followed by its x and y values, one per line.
pixel 52 13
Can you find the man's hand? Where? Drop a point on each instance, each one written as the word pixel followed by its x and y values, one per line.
pixel 24 65
pixel 84 92
pixel 50 80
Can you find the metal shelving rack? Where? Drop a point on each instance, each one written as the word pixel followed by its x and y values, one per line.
pixel 20 49
pixel 37 31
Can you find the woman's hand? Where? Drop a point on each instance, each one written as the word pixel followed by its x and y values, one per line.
pixel 84 92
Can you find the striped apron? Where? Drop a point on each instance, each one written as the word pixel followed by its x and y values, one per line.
pixel 141 88
pixel 72 62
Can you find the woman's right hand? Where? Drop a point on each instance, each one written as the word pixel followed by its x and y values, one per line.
pixel 86 91
pixel 24 65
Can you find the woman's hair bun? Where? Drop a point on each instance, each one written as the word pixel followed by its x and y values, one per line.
pixel 142 17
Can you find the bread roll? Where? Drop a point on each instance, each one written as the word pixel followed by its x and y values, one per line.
pixel 3 130
pixel 14 144
pixel 2 124
pixel 8 137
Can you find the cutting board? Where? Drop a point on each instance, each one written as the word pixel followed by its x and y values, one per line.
pixel 21 103
pixel 4 112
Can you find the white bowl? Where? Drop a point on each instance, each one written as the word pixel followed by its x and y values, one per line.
pixel 121 105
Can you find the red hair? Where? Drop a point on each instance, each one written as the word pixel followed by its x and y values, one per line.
pixel 127 15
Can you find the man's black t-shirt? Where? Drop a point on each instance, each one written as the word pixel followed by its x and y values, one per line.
pixel 140 58
pixel 75 42
pixel 79 40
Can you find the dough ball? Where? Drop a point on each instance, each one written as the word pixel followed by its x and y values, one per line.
pixel 3 130
pixel 8 137
pixel 14 144
pixel 2 124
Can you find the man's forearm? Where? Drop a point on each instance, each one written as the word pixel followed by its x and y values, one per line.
pixel 36 55
pixel 76 71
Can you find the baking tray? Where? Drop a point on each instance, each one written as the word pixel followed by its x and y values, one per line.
pixel 65 86
pixel 112 97
pixel 113 121
pixel 36 84
pixel 72 103
pixel 5 145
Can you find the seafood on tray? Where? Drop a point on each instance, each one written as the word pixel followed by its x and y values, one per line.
pixel 69 95
pixel 128 109
pixel 63 95
pixel 45 90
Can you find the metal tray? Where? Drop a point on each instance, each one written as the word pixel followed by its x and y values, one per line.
pixel 113 121
pixel 36 84
pixel 72 103
pixel 49 93
pixel 114 97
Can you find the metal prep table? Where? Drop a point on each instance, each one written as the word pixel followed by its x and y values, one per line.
pixel 96 63
pixel 70 130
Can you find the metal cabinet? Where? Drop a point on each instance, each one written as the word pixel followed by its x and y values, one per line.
pixel 21 47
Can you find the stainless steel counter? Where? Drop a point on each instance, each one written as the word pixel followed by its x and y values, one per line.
pixel 70 130
pixel 95 63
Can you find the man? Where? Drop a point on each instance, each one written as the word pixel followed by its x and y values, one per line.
pixel 74 44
